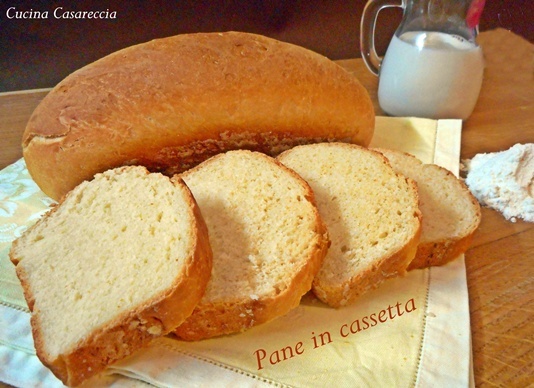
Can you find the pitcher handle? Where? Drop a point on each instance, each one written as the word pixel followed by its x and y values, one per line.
pixel 367 32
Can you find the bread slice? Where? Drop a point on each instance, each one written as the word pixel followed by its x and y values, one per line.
pixel 267 237
pixel 371 213
pixel 451 214
pixel 123 259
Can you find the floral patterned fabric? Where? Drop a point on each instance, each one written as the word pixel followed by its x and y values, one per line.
pixel 22 203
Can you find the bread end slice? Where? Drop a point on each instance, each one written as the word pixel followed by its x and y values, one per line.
pixel 451 214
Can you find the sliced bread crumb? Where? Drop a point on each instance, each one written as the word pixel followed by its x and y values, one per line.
pixel 123 259
pixel 267 237
pixel 451 214
pixel 371 213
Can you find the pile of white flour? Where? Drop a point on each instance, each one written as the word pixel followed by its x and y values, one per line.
pixel 504 181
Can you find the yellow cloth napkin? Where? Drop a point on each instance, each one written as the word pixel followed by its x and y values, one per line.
pixel 412 331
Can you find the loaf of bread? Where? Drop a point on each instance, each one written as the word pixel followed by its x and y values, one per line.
pixel 371 213
pixel 451 214
pixel 267 237
pixel 122 260
pixel 171 103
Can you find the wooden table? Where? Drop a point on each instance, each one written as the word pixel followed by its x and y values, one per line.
pixel 500 262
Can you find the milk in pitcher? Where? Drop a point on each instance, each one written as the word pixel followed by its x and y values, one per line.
pixel 430 74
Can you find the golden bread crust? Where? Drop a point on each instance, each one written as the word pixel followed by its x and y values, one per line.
pixel 171 103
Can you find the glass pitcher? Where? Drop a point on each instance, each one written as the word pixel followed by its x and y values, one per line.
pixel 433 66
